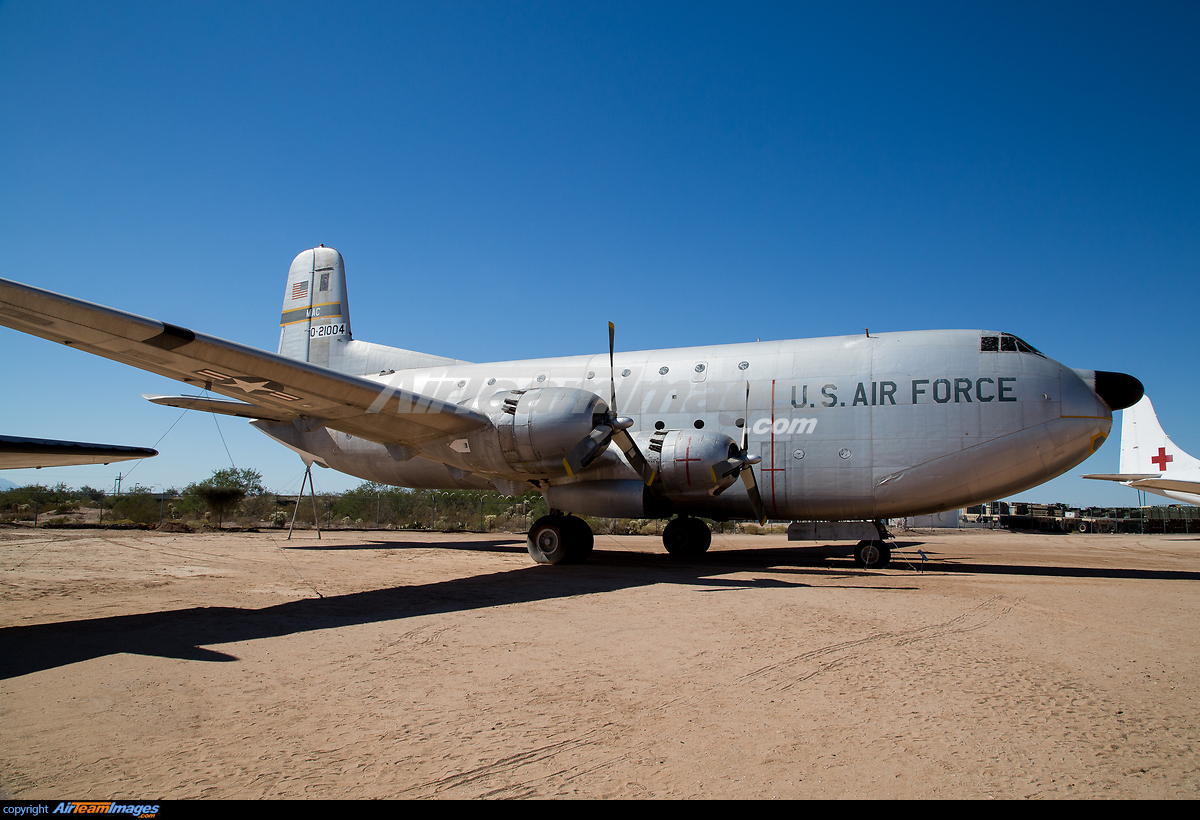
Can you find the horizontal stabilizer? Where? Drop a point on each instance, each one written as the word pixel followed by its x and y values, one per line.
pixel 225 407
pixel 18 452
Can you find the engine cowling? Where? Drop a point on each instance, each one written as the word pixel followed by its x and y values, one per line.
pixel 685 463
pixel 538 428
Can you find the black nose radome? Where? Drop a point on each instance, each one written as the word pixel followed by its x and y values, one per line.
pixel 1118 390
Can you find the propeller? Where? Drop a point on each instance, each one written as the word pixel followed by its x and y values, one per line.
pixel 743 463
pixel 611 428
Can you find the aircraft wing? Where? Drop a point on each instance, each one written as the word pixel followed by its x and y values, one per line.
pixel 18 452
pixel 283 388
pixel 1150 481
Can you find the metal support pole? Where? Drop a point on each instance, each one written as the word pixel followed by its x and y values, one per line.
pixel 298 497
pixel 313 490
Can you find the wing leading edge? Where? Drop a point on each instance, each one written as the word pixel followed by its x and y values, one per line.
pixel 282 388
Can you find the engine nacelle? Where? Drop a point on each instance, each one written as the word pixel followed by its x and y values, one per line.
pixel 537 428
pixel 685 463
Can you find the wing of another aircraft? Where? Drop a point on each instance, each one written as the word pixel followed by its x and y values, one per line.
pixel 18 452
pixel 282 389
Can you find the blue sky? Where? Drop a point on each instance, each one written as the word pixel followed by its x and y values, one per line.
pixel 503 178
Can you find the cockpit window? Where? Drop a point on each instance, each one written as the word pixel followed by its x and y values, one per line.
pixel 1025 347
pixel 1006 343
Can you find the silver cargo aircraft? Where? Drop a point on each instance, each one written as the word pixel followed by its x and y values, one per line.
pixel 842 429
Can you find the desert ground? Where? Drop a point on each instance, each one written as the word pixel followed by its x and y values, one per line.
pixel 424 665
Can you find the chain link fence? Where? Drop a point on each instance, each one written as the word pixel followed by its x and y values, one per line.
pixel 370 507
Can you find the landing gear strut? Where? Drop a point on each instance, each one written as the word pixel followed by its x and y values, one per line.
pixel 559 539
pixel 687 537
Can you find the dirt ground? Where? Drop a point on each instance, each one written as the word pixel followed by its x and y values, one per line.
pixel 415 665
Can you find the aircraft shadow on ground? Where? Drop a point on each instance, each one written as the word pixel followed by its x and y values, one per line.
pixel 184 633
pixel 510 544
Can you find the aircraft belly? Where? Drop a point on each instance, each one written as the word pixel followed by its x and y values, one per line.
pixel 990 470
pixel 803 478
pixel 1186 498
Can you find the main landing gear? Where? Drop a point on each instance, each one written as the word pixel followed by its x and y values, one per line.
pixel 687 537
pixel 565 539
pixel 559 539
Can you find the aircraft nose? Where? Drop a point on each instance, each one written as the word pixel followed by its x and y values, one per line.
pixel 1119 390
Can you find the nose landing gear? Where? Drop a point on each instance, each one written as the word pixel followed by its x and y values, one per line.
pixel 872 554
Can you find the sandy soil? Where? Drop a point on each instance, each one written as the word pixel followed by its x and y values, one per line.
pixel 144 665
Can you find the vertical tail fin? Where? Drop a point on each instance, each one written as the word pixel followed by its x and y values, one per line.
pixel 316 310
pixel 1145 448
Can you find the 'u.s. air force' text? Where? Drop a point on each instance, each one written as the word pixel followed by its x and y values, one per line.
pixel 941 391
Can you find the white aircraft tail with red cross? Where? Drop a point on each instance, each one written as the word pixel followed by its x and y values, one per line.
pixel 1146 448
pixel 1150 461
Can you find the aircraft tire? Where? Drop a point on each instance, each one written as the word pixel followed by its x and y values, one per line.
pixel 559 539
pixel 687 537
pixel 580 541
pixel 872 554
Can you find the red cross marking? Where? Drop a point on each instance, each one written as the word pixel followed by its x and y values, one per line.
pixel 687 461
pixel 1162 458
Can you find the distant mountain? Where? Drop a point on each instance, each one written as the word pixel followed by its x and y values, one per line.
pixel 5 484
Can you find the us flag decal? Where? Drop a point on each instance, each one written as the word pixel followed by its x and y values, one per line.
pixel 300 290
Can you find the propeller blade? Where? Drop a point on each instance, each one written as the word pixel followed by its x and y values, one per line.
pixel 587 450
pixel 752 491
pixel 746 421
pixel 612 371
pixel 727 467
pixel 733 464
pixel 634 455
pixel 622 424
pixel 748 471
